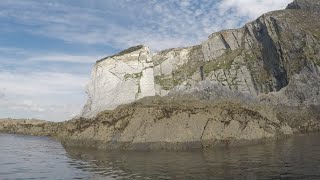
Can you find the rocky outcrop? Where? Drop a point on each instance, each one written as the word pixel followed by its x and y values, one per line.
pixel 304 88
pixel 311 5
pixel 28 126
pixel 120 79
pixel 275 58
pixel 174 123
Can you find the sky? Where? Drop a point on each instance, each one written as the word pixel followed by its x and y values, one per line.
pixel 48 48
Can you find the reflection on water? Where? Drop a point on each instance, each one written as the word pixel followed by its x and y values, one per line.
pixel 27 157
pixel 39 158
pixel 294 158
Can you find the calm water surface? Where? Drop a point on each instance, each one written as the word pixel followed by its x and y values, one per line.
pixel 27 157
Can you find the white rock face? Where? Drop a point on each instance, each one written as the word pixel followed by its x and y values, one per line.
pixel 120 79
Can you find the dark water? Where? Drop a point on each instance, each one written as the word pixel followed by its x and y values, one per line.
pixel 26 157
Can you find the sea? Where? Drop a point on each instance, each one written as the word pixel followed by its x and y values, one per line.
pixel 29 157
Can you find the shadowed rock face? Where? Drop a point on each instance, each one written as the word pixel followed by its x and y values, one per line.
pixel 310 5
pixel 275 58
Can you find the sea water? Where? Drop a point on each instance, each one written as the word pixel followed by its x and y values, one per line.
pixel 28 157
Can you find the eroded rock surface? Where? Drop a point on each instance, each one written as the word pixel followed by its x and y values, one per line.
pixel 29 127
pixel 173 123
pixel 264 56
pixel 120 79
pixel 275 58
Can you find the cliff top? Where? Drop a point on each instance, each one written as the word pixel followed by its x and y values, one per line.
pixel 126 51
pixel 313 5
pixel 309 5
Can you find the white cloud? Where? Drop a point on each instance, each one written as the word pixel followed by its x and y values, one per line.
pixel 65 58
pixel 159 24
pixel 25 105
pixel 30 56
pixel 31 90
pixel 252 8
pixel 2 94
pixel 53 96
pixel 41 83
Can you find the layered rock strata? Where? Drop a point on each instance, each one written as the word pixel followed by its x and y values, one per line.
pixel 173 123
pixel 275 58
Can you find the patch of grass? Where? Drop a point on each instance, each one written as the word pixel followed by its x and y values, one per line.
pixel 126 51
pixel 310 54
pixel 134 76
pixel 255 65
pixel 165 82
pixel 224 62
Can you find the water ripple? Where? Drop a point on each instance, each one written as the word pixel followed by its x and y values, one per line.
pixel 26 157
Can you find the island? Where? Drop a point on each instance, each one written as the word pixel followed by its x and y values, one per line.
pixel 238 87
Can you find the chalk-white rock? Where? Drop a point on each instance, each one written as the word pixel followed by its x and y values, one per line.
pixel 120 79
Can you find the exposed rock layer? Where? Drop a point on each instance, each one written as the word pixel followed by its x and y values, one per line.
pixel 278 54
pixel 173 123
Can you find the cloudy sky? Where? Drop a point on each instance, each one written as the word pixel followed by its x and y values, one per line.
pixel 47 48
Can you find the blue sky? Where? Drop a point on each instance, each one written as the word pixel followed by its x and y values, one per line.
pixel 47 48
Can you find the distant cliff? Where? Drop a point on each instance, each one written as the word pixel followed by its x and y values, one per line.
pixel 275 59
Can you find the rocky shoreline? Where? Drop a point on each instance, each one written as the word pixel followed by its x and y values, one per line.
pixel 171 124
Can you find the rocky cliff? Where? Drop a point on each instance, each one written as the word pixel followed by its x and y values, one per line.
pixel 120 79
pixel 240 86
pixel 275 58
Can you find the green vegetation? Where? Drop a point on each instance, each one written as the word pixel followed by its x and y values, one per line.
pixel 139 88
pixel 255 65
pixel 224 62
pixel 317 62
pixel 185 72
pixel 165 82
pixel 134 76
pixel 127 51
pixel 311 55
pixel 193 65
pixel 163 55
pixel 316 34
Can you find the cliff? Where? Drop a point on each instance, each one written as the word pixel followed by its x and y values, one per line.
pixel 120 79
pixel 275 58
pixel 239 86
